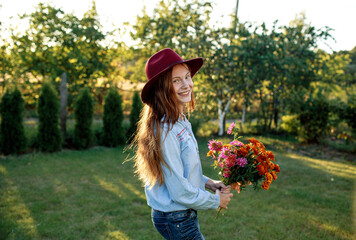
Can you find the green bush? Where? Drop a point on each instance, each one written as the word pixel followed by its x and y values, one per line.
pixel 314 118
pixel 49 134
pixel 207 129
pixel 290 124
pixel 113 133
pixel 12 131
pixel 134 115
pixel 83 115
pixel 348 113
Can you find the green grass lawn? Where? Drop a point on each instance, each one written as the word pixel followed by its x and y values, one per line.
pixel 93 195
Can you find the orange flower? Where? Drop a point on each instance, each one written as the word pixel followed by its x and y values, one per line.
pixel 268 177
pixel 236 186
pixel 270 155
pixel 260 145
pixel 271 165
pixel 254 141
pixel 227 145
pixel 276 168
pixel 274 175
pixel 257 143
pixel 255 150
pixel 261 169
pixel 263 151
pixel 210 153
pixel 261 158
pixel 265 185
pixel 243 151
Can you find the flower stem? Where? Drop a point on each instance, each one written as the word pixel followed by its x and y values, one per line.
pixel 218 211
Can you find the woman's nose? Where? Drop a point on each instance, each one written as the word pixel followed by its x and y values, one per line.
pixel 184 83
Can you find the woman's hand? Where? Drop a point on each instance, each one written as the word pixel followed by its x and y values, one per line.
pixel 214 185
pixel 224 198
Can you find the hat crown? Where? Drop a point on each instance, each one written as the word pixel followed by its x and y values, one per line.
pixel 160 61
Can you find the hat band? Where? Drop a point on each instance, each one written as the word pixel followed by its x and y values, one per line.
pixel 174 63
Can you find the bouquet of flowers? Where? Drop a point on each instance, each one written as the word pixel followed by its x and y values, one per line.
pixel 242 164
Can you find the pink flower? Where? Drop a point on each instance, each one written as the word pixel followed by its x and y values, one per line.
pixel 229 131
pixel 225 152
pixel 215 146
pixel 241 161
pixel 236 143
pixel 227 172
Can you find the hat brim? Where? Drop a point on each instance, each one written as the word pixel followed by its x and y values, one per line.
pixel 194 65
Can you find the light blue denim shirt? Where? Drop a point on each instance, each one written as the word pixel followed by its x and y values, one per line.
pixel 184 183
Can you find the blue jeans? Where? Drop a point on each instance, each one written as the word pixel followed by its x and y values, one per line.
pixel 177 225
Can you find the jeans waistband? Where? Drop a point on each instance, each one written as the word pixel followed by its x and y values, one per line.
pixel 173 212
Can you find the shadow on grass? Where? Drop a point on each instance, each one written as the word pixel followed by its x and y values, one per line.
pixel 311 199
pixel 73 195
pixel 92 195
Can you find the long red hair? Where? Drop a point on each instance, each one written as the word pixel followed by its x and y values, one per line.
pixel 162 108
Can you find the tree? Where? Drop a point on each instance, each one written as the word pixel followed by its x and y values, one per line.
pixel 298 63
pixel 174 24
pixel 49 135
pixel 5 65
pixel 57 43
pixel 282 61
pixel 83 115
pixel 113 132
pixel 136 108
pixel 12 131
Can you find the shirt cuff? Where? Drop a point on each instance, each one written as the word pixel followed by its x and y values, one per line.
pixel 218 201
pixel 206 179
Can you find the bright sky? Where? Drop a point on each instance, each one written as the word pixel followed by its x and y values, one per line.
pixel 339 15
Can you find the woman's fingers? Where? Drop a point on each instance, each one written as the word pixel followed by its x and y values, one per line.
pixel 224 198
pixel 226 189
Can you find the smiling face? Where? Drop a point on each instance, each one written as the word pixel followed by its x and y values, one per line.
pixel 182 84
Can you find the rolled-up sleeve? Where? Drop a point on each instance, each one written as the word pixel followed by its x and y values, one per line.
pixel 205 179
pixel 179 188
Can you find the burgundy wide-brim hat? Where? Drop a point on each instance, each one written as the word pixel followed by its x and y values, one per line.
pixel 161 62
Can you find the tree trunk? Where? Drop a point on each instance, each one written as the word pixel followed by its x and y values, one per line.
pixel 264 117
pixel 271 113
pixel 276 111
pixel 276 115
pixel 63 105
pixel 222 115
pixel 243 116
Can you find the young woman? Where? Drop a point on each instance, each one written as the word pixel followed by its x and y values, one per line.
pixel 167 157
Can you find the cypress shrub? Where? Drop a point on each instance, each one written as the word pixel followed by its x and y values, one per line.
pixel 113 132
pixel 12 131
pixel 134 115
pixel 49 134
pixel 83 115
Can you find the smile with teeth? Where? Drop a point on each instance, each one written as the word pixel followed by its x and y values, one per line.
pixel 184 94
